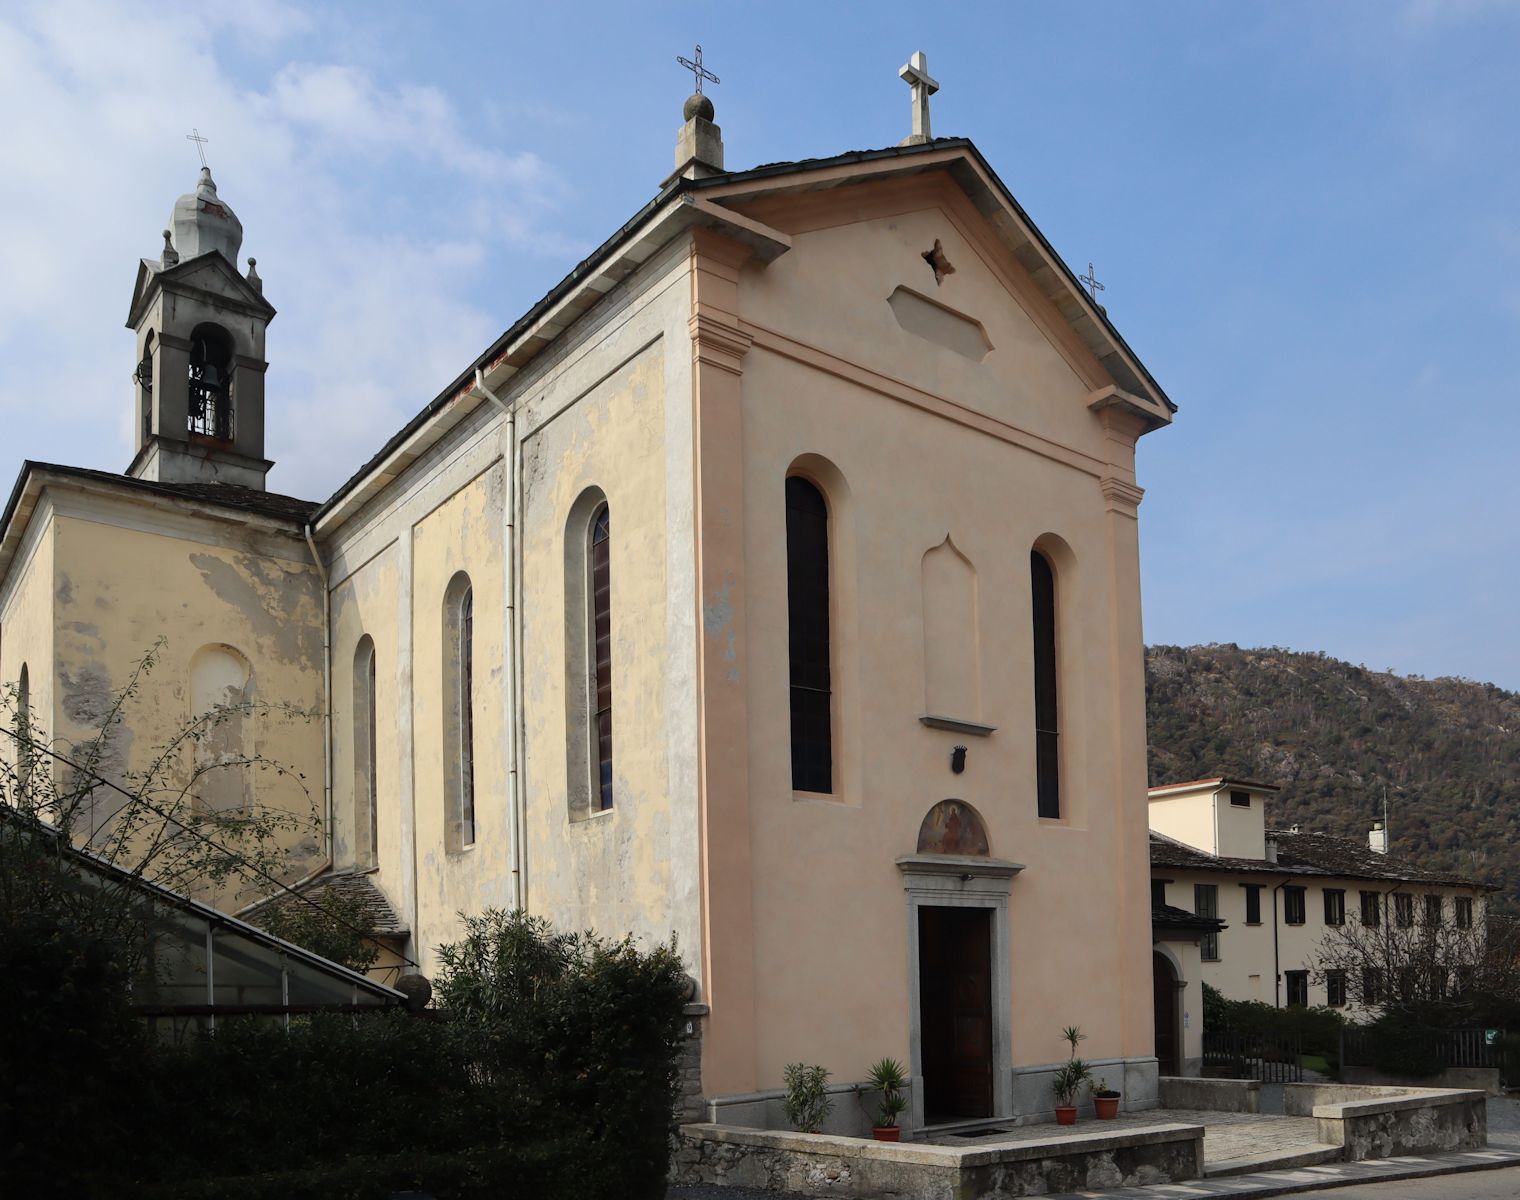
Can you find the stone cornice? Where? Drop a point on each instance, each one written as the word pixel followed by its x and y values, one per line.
pixel 1121 496
pixel 717 341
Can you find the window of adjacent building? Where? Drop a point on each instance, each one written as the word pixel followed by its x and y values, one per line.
pixel 600 590
pixel 1253 903
pixel 1047 714
pixel 1335 989
pixel 459 712
pixel 1206 904
pixel 1158 893
pixel 1403 910
pixel 1240 799
pixel 1372 985
pixel 1335 906
pixel 808 643
pixel 1463 979
pixel 1297 987
pixel 1372 909
pixel 1293 905
pixel 1463 906
pixel 366 806
pixel 1432 910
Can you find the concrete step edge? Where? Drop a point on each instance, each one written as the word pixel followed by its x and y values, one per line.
pixel 1309 1156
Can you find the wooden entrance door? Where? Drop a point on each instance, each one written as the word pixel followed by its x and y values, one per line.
pixel 955 1011
pixel 1164 977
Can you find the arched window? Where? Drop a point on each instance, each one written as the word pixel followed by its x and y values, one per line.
pixel 24 751
pixel 1047 707
pixel 211 382
pixel 599 590
pixel 459 711
pixel 221 701
pixel 366 800
pixel 807 597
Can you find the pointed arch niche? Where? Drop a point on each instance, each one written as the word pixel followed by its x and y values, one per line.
pixel 952 641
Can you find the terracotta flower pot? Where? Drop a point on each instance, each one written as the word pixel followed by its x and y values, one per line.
pixel 887 1133
pixel 1107 1107
pixel 1066 1114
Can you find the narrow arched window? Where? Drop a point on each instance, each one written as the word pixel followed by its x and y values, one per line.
pixel 459 712
pixel 24 752
pixel 1047 707
pixel 366 798
pixel 599 589
pixel 807 600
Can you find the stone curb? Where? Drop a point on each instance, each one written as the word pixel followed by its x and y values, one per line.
pixel 1314 1179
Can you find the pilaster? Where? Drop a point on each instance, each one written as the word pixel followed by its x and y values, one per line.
pixel 718 349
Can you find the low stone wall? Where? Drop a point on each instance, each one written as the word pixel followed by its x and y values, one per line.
pixel 824 1165
pixel 1485 1079
pixel 1215 1095
pixel 1380 1122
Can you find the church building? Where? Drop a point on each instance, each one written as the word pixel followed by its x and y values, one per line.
pixel 773 582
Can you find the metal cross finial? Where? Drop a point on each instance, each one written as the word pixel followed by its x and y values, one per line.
pixel 200 144
pixel 1093 286
pixel 698 70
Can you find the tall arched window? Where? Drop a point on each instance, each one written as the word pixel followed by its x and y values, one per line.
pixel 599 589
pixel 1047 707
pixel 459 712
pixel 366 799
pixel 807 598
pixel 24 751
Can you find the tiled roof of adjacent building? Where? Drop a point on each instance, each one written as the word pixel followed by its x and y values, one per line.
pixel 1303 853
pixel 380 919
pixel 225 495
pixel 1169 916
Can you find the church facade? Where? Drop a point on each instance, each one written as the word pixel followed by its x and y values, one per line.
pixel 772 583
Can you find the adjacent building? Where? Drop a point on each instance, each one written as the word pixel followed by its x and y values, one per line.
pixel 1279 893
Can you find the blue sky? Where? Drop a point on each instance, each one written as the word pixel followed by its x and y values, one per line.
pixel 1307 216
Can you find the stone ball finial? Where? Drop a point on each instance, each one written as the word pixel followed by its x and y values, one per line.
pixel 698 105
pixel 418 990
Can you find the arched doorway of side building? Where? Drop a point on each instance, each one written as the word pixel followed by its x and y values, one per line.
pixel 1168 1033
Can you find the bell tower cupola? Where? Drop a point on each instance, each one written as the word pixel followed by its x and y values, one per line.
pixel 200 324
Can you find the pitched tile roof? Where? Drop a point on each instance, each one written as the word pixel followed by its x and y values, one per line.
pixel 1304 853
pixel 1169 916
pixel 380 919
pixel 225 495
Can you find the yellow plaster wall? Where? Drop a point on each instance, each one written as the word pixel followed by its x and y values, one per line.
pixel 830 931
pixel 610 871
pixel 26 633
pixel 119 589
pixel 1187 818
pixel 463 533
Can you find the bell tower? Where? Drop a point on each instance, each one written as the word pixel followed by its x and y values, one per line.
pixel 199 379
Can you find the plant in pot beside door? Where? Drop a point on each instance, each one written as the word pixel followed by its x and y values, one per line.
pixel 1069 1078
pixel 1105 1099
pixel 888 1078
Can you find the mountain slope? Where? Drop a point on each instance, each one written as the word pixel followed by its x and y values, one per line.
pixel 1332 735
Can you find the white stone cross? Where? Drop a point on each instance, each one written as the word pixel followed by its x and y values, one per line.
pixel 915 72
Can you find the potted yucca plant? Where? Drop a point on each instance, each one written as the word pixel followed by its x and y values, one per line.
pixel 888 1078
pixel 1069 1078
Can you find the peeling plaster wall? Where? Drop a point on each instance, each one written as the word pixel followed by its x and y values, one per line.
pixel 26 624
pixel 593 412
pixel 996 455
pixel 126 576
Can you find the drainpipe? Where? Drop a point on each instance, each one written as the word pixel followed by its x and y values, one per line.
pixel 513 551
pixel 327 745
pixel 1276 964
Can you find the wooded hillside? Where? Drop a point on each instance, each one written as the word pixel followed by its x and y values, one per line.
pixel 1332 735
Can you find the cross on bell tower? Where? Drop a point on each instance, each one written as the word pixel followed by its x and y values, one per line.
pixel 915 73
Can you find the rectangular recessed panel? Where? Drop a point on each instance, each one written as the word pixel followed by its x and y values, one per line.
pixel 934 322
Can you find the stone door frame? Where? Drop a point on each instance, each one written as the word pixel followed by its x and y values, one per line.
pixel 962 881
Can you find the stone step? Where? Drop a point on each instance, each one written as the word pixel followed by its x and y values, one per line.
pixel 1308 1155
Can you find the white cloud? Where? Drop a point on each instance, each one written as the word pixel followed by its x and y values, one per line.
pixel 335 174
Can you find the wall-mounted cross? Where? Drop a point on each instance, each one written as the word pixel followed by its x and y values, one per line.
pixel 200 144
pixel 1093 286
pixel 915 73
pixel 698 71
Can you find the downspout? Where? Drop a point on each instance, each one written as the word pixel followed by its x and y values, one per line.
pixel 327 744
pixel 1276 964
pixel 513 552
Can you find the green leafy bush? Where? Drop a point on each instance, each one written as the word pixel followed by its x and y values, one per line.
pixel 806 1102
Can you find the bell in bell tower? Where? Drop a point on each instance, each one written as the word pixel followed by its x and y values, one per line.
pixel 200 327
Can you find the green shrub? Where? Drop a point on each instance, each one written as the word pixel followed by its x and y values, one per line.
pixel 1405 1050
pixel 806 1102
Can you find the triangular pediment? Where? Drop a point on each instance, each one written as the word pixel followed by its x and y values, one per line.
pixel 952 175
pixel 209 274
